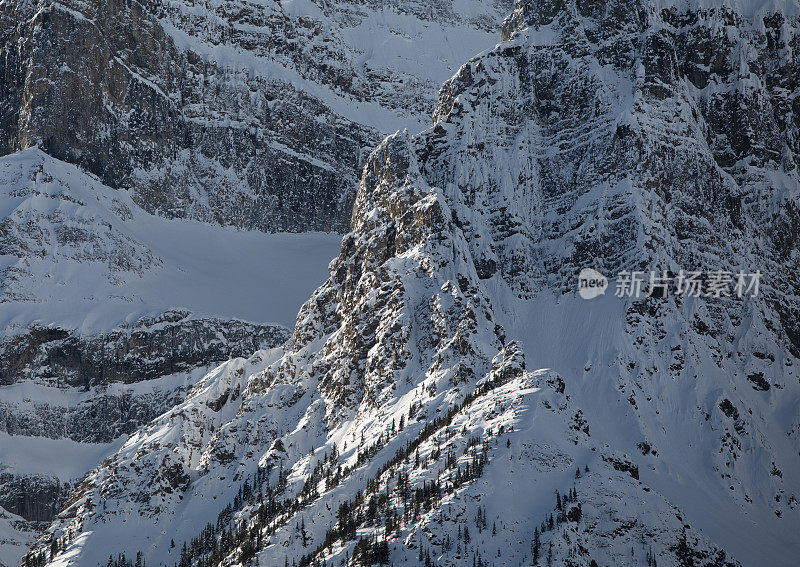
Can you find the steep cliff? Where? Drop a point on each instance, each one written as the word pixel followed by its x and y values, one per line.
pixel 404 423
pixel 91 346
pixel 256 115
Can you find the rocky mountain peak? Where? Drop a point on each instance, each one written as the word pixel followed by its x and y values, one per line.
pixel 404 422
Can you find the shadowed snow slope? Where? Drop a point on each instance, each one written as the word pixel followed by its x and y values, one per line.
pixel 82 255
pixel 108 315
pixel 403 424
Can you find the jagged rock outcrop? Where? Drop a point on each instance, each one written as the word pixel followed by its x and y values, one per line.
pixel 92 344
pixel 403 423
pixel 398 381
pixel 256 116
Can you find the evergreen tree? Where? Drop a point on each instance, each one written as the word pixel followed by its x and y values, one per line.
pixel 684 552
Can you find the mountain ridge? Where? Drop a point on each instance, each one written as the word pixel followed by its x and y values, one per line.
pixel 255 116
pixel 92 346
pixel 605 135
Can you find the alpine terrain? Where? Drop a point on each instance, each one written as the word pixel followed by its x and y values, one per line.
pixel 447 398
pixel 110 315
pixel 174 178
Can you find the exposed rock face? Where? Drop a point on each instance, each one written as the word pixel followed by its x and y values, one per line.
pixel 193 139
pixel 404 411
pixel 257 116
pixel 77 258
pixel 89 392
pixel 150 348
pixel 37 498
pixel 615 136
pixel 397 355
pixel 611 135
pixel 578 127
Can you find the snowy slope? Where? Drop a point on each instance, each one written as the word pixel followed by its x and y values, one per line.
pixel 404 412
pixel 210 114
pixel 109 315
pixel 14 538
pixel 250 114
pixel 392 374
pixel 84 256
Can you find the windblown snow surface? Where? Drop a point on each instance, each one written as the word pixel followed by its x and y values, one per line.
pixel 406 421
pixel 82 257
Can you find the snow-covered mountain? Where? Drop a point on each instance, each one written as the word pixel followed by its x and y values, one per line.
pixel 108 315
pixel 256 116
pixel 15 536
pixel 405 422
pixel 252 114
